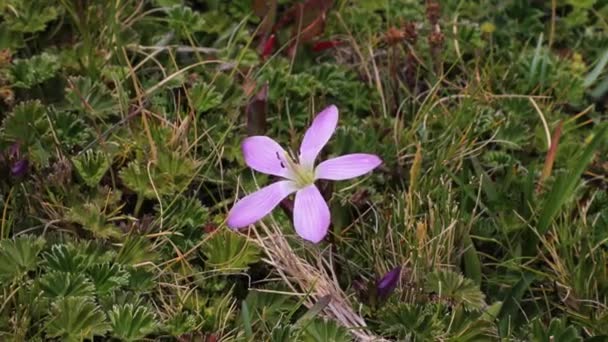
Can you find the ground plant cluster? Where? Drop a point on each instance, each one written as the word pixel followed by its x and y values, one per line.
pixel 483 214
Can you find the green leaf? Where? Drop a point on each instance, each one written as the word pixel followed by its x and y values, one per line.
pixel 107 277
pixel 130 323
pixel 136 250
pixel 87 96
pixel 180 324
pixel 91 166
pixel 320 330
pixel 26 73
pixel 30 16
pixel 455 289
pixel 566 183
pixel 76 319
pixel 63 284
pixel 204 97
pixel 27 123
pixel 74 258
pixel 19 256
pixel 93 219
pixel 558 330
pixel 184 21
pixel 593 75
pixel 230 251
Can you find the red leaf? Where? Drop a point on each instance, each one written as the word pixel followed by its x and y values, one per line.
pixel 325 45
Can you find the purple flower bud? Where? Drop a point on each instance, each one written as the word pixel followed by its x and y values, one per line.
pixel 13 151
pixel 19 168
pixel 386 285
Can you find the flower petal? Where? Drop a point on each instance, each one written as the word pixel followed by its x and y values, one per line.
pixel 255 206
pixel 318 134
pixel 347 166
pixel 387 284
pixel 265 155
pixel 311 214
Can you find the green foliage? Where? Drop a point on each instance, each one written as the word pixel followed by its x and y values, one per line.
pixel 455 289
pixel 63 284
pixel 91 166
pixel 321 330
pixel 131 323
pixel 558 330
pixel 19 256
pixel 76 319
pixel 27 123
pixel 30 72
pixel 131 116
pixel 230 251
pixel 107 277
pixel 135 250
pixel 93 218
pixel 180 324
pixel 184 21
pixel 87 96
pixel 28 16
pixel 169 175
pixel 204 97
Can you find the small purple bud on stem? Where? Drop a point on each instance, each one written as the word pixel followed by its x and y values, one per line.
pixel 20 167
pixel 387 284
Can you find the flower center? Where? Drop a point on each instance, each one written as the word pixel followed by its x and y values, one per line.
pixel 302 175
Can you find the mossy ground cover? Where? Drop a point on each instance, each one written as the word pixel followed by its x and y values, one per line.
pixel 120 158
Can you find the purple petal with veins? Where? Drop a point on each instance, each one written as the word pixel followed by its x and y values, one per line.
pixel 311 216
pixel 265 155
pixel 347 166
pixel 255 206
pixel 318 134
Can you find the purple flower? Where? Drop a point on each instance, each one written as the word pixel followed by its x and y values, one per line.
pixel 386 285
pixel 311 214
pixel 19 168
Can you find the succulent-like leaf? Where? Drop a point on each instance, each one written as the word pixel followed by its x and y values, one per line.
pixel 130 323
pixel 75 319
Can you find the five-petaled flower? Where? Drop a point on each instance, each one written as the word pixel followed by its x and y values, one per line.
pixel 311 214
